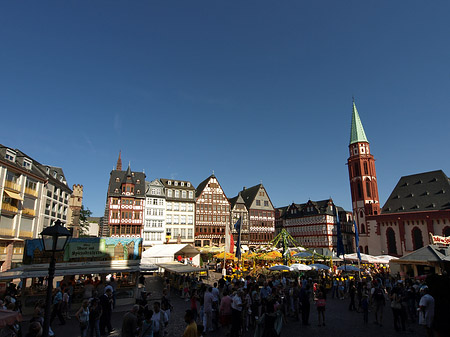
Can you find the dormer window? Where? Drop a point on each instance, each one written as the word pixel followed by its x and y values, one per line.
pixel 169 182
pixel 138 181
pixel 27 163
pixel 48 170
pixel 175 183
pixel 116 190
pixel 55 174
pixel 117 180
pixel 10 155
pixel 61 178
pixel 182 183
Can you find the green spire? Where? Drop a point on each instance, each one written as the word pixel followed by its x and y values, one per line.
pixel 357 133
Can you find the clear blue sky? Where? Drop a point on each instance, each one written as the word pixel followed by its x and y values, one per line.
pixel 254 90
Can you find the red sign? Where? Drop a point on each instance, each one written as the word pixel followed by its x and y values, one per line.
pixel 443 240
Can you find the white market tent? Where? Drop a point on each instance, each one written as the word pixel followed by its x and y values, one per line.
pixel 167 253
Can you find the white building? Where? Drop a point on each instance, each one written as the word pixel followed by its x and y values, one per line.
pixel 180 212
pixel 154 214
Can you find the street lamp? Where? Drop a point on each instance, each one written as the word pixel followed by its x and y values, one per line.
pixel 54 239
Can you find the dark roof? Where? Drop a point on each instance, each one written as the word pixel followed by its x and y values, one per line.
pixel 249 194
pixel 429 191
pixel 202 186
pixel 427 253
pixel 117 178
pixel 172 186
pixel 321 207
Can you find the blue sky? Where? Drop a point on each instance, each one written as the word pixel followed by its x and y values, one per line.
pixel 254 90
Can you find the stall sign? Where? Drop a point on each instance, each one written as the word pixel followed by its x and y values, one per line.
pixel 443 240
pixel 86 249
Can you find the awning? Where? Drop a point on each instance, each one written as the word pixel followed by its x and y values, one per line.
pixel 179 268
pixel 13 195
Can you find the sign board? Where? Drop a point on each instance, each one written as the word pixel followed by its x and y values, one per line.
pixel 443 240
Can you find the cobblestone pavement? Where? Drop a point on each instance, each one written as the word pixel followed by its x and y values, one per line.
pixel 339 321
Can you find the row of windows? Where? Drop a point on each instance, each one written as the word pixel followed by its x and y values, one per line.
pixel 155 212
pixel 213 230
pixel 266 203
pixel 153 223
pixel 180 206
pixel 261 237
pixel 179 219
pixel 155 191
pixel 176 194
pixel 126 215
pixel 152 236
pixel 175 183
pixel 216 208
pixel 261 213
pixel 209 217
pixel 189 234
pixel 155 201
pixel 125 229
pixel 124 201
pixel 214 197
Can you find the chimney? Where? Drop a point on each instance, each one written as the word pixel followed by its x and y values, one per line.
pixel 244 188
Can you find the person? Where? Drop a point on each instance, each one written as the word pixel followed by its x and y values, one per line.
pixel 352 293
pixel 426 310
pixel 65 304
pixel 147 324
pixel 113 284
pixel 194 308
pixel 365 307
pixel 379 301
pixel 95 312
pixel 165 303
pixel 396 306
pixel 57 305
pixel 304 300
pixel 159 319
pixel 320 305
pixel 82 316
pixel 130 322
pixel 225 310
pixel 34 330
pixel 236 313
pixel 106 303
pixel 88 290
pixel 208 310
pixel 191 328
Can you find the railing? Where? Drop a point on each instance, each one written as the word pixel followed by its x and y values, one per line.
pixel 12 185
pixel 6 231
pixel 31 191
pixel 28 211
pixel 25 234
pixel 9 208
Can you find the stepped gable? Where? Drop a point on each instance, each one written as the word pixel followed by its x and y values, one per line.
pixel 428 191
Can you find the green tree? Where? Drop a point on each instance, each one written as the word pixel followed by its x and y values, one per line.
pixel 84 223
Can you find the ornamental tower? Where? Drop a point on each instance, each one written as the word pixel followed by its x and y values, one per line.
pixel 363 177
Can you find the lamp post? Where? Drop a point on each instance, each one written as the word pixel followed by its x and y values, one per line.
pixel 54 239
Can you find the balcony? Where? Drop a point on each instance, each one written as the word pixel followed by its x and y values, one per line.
pixel 25 234
pixel 11 185
pixel 9 208
pixel 28 212
pixel 31 192
pixel 6 232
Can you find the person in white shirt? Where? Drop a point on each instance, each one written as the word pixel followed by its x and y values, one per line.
pixel 208 300
pixel 426 307
pixel 159 319
pixel 236 308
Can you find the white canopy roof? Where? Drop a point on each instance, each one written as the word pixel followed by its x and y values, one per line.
pixel 170 250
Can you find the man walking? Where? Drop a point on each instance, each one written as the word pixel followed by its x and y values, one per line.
pixel 106 302
pixel 130 322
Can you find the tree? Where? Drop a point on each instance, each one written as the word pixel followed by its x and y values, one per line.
pixel 84 223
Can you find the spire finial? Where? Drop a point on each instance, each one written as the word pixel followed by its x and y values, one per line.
pixel 357 133
pixel 119 162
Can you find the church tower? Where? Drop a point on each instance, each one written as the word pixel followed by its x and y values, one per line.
pixel 363 177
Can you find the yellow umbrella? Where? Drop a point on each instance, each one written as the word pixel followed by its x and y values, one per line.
pixel 228 256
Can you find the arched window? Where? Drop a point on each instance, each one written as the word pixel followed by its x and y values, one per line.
pixel 361 249
pixel 367 250
pixel 417 238
pixel 391 242
pixel 357 169
pixel 366 170
pixel 369 193
pixel 359 189
pixel 363 229
pixel 446 231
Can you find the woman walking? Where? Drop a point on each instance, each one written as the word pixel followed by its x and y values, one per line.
pixel 82 316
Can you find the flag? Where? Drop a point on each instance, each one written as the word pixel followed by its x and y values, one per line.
pixel 340 244
pixel 231 243
pixel 357 241
pixel 237 226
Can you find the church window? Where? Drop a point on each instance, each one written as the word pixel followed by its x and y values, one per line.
pixel 357 169
pixel 363 229
pixel 359 189
pixel 367 250
pixel 417 238
pixel 366 169
pixel 391 242
pixel 369 193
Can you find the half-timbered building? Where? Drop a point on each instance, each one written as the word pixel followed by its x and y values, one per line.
pixel 239 211
pixel 212 213
pixel 125 202
pixel 261 215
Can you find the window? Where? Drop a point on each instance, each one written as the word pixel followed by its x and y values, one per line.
pixel 175 232
pixel 169 193
pixel 155 201
pixel 148 223
pixel 117 180
pixel 266 203
pixel 258 202
pixel 175 183
pixel 183 206
pixel 10 155
pixel 175 219
pixel 183 233
pixel 169 206
pixel 190 219
pixel 177 194
pixel 168 231
pixel 176 206
pixel 182 183
pixel 137 203
pixel 190 234
pixel 188 185
pixel 27 163
pixel 183 194
pixel 169 182
pixel 161 202
pixel 183 219
pixel 190 207
pixel 191 194
pixel 169 219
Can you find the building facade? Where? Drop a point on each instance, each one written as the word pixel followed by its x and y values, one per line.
pixel 180 210
pixel 314 225
pixel 75 203
pixel 261 215
pixel 125 202
pixel 154 214
pixel 239 211
pixel 212 213
pixel 33 196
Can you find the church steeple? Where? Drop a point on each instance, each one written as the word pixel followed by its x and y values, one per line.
pixel 119 162
pixel 357 133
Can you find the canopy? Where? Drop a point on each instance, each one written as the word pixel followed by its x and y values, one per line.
pixel 8 317
pixel 169 252
pixel 228 256
pixel 364 258
pixel 13 195
pixel 300 266
pixel 303 254
pixel 348 268
pixel 280 267
pixel 319 266
pixel 179 268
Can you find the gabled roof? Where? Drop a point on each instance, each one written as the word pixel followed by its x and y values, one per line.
pixel 117 178
pixel 236 200
pixel 202 185
pixel 321 207
pixel 357 133
pixel 428 191
pixel 427 253
pixel 249 194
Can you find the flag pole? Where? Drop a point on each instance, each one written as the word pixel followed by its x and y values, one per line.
pixel 239 244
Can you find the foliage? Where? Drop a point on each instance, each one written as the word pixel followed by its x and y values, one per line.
pixel 84 223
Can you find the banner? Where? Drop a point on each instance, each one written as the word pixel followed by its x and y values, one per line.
pixel 443 240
